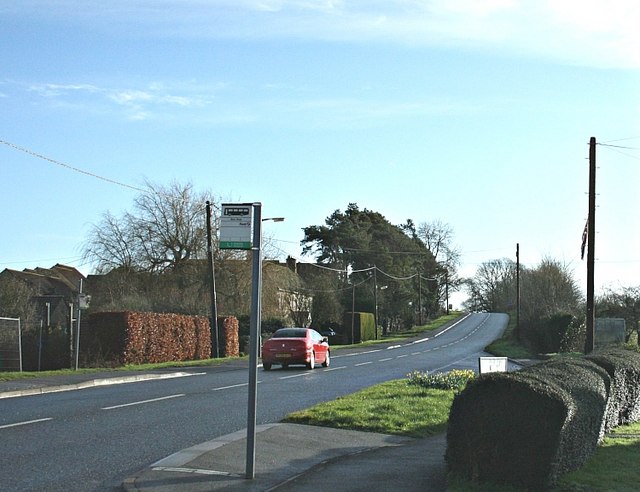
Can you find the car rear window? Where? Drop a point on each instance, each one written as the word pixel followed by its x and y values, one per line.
pixel 290 333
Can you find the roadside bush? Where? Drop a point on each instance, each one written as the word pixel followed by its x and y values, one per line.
pixel 526 428
pixel 623 366
pixel 456 379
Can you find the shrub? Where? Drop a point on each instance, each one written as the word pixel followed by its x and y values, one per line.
pixel 623 366
pixel 526 428
pixel 456 379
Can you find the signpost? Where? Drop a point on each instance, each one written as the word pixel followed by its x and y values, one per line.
pixel 239 231
pixel 236 226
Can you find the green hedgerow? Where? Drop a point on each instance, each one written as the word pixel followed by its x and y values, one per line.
pixel 453 380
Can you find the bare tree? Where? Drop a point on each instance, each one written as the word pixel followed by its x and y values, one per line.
pixel 438 236
pixel 493 286
pixel 166 228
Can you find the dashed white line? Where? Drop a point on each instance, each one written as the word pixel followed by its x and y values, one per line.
pixel 386 359
pixel 363 364
pixel 231 387
pixel 142 402
pixel 27 422
pixel 302 374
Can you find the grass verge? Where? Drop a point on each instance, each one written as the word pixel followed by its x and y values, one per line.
pixel 614 465
pixel 11 376
pixel 410 333
pixel 395 407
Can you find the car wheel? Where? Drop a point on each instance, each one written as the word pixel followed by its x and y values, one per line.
pixel 327 360
pixel 266 366
pixel 312 361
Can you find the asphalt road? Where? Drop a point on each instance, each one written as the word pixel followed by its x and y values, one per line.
pixel 92 439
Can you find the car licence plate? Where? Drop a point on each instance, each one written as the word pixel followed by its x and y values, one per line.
pixel 283 356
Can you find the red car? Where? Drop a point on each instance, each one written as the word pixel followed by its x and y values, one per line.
pixel 296 346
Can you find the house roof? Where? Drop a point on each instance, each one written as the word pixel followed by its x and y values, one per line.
pixel 59 280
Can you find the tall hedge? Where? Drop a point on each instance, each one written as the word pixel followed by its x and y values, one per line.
pixel 364 327
pixel 228 337
pixel 135 338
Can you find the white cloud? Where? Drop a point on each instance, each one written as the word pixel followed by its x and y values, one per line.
pixel 140 104
pixel 588 32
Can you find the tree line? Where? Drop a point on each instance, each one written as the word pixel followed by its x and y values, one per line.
pixel 153 257
pixel 552 315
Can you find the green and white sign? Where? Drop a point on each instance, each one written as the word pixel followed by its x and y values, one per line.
pixel 236 226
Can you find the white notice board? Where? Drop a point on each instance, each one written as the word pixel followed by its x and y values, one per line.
pixel 236 226
pixel 492 364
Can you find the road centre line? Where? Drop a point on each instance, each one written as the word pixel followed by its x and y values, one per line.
pixel 27 422
pixel 334 368
pixel 385 359
pixel 363 364
pixel 354 354
pixel 231 386
pixel 302 374
pixel 142 402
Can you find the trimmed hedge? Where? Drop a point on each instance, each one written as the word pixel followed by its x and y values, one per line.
pixel 136 338
pixel 623 366
pixel 229 339
pixel 364 327
pixel 527 428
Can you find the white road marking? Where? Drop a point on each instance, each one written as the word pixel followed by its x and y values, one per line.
pixel 299 375
pixel 197 471
pixel 363 364
pixel 385 360
pixel 231 387
pixel 142 402
pixel 17 424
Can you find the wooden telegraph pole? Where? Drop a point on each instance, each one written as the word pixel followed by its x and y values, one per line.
pixel 517 290
pixel 591 233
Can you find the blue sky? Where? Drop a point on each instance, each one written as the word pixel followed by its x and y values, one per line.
pixel 474 113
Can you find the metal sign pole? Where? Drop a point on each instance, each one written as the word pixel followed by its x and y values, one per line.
pixel 253 342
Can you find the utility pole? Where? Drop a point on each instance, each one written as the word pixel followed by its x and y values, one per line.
pixel 446 287
pixel 375 299
pixel 420 299
pixel 591 234
pixel 212 274
pixel 517 290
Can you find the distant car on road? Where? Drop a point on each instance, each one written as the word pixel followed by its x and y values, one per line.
pixel 328 332
pixel 290 346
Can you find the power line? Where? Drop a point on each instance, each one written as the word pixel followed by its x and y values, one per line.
pixel 72 168
pixel 620 140
pixel 96 176
pixel 618 146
